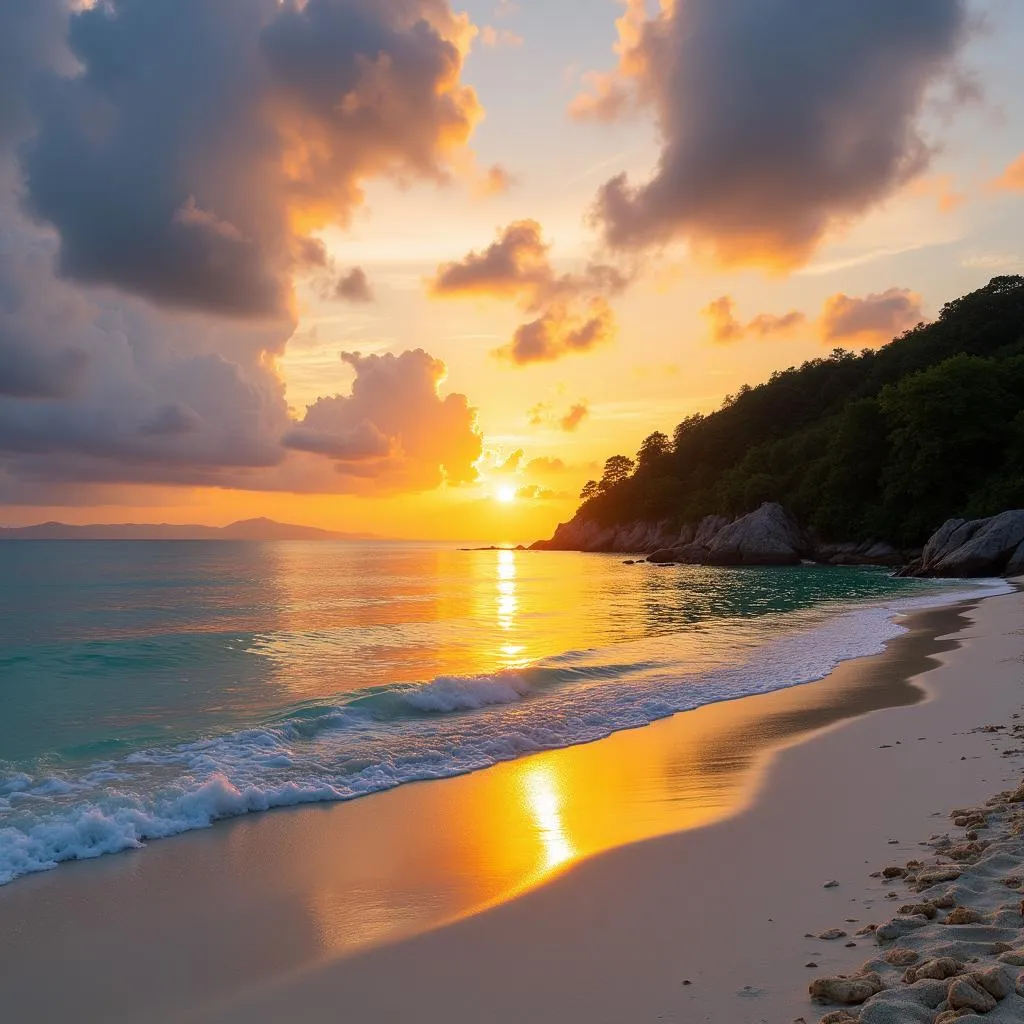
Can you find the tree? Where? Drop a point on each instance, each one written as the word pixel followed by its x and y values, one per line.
pixel 590 490
pixel 616 469
pixel 656 446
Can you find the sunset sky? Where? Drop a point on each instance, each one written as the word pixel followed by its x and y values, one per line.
pixel 418 268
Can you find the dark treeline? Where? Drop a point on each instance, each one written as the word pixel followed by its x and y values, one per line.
pixel 882 444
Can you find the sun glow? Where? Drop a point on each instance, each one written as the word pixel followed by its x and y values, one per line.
pixel 506 495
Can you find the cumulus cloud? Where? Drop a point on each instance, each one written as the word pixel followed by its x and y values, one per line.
pixel 726 327
pixel 511 465
pixel 394 428
pixel 354 286
pixel 495 181
pixel 544 414
pixel 209 139
pixel 534 492
pixel 546 466
pixel 878 317
pixel 779 120
pixel 573 312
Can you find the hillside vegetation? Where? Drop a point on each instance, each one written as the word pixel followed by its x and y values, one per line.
pixel 882 443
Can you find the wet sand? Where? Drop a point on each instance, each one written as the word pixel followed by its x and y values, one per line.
pixel 526 891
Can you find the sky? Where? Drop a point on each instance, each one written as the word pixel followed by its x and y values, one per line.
pixel 417 268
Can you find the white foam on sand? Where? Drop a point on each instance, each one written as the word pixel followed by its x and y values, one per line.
pixel 412 733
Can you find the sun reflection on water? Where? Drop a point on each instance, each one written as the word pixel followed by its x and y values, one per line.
pixel 543 799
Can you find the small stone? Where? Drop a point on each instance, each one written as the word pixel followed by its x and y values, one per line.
pixel 1012 957
pixel 832 933
pixel 850 945
pixel 894 871
pixel 849 991
pixel 939 968
pixel 894 842
pixel 831 885
pixel 901 957
pixel 837 1017
pixel 811 964
pixel 967 994
pixel 963 915
pixel 948 1016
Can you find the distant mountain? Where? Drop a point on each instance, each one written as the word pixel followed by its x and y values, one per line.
pixel 248 529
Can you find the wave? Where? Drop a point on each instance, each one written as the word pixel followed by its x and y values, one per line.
pixel 447 726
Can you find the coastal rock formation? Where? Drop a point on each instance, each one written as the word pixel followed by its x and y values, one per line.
pixel 981 547
pixel 769 536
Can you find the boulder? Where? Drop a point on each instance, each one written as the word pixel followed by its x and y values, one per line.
pixel 707 529
pixel 967 994
pixel 983 547
pixel 769 536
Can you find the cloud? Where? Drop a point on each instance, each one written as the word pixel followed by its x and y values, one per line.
pixel 546 466
pixel 779 121
pixel 511 465
pixel 354 286
pixel 875 318
pixel 394 429
pixel 878 317
pixel 725 327
pixel 573 310
pixel 493 37
pixel 1012 179
pixel 942 189
pixel 575 416
pixel 495 181
pixel 534 492
pixel 209 139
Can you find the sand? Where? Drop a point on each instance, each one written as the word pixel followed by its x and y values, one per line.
pixel 544 915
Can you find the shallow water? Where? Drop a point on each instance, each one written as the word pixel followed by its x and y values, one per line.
pixel 151 688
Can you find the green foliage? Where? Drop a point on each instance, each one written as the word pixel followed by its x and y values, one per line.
pixel 886 443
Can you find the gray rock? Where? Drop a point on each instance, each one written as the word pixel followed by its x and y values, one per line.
pixel 769 536
pixel 983 547
pixel 708 528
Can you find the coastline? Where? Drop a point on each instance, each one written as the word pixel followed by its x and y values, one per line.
pixel 228 924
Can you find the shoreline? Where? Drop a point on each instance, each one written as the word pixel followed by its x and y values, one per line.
pixel 234 908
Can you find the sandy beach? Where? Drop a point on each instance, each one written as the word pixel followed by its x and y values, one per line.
pixel 670 873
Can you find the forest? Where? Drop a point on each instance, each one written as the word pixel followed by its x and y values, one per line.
pixel 884 443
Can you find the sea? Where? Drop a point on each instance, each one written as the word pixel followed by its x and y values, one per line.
pixel 152 688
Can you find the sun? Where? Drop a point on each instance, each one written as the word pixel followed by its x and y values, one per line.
pixel 506 495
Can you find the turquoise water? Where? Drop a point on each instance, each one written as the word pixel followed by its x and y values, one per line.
pixel 150 688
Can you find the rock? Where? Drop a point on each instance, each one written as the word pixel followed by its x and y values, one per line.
pixel 967 994
pixel 1013 958
pixel 849 991
pixel 966 851
pixel 901 957
pixel 707 529
pixel 963 915
pixel 1019 984
pixel 900 926
pixel 832 933
pixel 837 1017
pixel 927 879
pixel 929 910
pixel 893 872
pixel 769 536
pixel 983 547
pixel 662 556
pixel 941 967
pixel 831 885
pixel 994 980
pixel 950 1015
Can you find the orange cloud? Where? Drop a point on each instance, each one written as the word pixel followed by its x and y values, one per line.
pixel 575 416
pixel 1012 179
pixel 496 37
pixel 573 310
pixel 873 319
pixel 725 327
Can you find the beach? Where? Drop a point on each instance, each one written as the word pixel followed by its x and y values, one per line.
pixel 694 850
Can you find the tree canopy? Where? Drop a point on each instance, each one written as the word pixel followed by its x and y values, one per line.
pixel 885 443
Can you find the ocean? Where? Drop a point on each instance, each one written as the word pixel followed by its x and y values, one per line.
pixel 147 689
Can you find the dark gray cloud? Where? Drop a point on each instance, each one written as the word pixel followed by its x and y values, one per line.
pixel 201 141
pixel 778 118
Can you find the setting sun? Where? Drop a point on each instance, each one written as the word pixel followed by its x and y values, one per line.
pixel 506 495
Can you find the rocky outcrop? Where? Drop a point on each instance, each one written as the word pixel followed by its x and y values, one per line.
pixel 769 536
pixel 981 547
